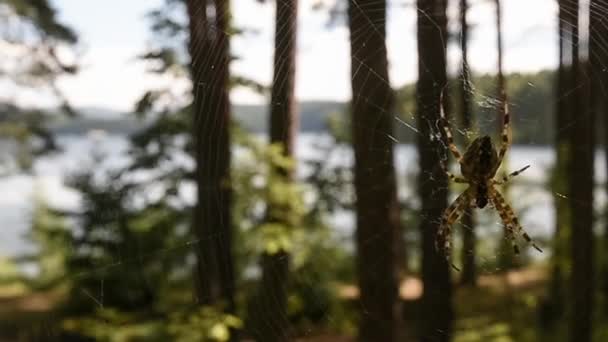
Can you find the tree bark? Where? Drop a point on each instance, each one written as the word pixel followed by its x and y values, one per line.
pixel 469 265
pixel 437 313
pixel 505 257
pixel 581 190
pixel 600 30
pixel 209 50
pixel 502 89
pixel 274 325
pixel 376 205
pixel 556 300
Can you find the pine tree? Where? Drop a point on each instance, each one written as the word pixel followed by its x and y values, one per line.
pixel 34 64
pixel 469 266
pixel 437 312
pixel 581 188
pixel 377 209
pixel 554 305
pixel 210 56
pixel 274 323
pixel 599 61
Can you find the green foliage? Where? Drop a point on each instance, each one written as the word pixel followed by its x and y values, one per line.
pixel 208 324
pixel 32 35
pixel 9 271
pixel 169 57
pixel 27 129
pixel 41 15
pixel 319 266
pixel 166 61
pixel 530 96
pixel 249 83
pixel 117 250
pixel 111 325
pixel 50 233
pixel 264 181
pixel 126 254
pixel 124 260
pixel 339 125
pixel 318 260
pixel 38 64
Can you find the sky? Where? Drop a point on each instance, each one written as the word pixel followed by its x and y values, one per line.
pixel 111 77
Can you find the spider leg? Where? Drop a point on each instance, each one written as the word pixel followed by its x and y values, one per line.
pixel 457 179
pixel 511 219
pixel 450 175
pixel 443 239
pixel 448 132
pixel 505 136
pixel 504 217
pixel 510 176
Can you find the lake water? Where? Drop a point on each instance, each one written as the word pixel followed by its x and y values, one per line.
pixel 18 192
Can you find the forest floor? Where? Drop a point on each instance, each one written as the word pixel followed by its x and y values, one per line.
pixel 504 307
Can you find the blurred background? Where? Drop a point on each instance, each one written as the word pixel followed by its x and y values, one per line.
pixel 257 170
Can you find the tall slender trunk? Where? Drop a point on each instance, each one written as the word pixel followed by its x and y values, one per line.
pixel 600 30
pixel 505 258
pixel 581 191
pixel 469 266
pixel 375 183
pixel 212 220
pixel 502 93
pixel 556 299
pixel 437 312
pixel 274 323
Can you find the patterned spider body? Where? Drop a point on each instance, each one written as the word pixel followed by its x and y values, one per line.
pixel 479 165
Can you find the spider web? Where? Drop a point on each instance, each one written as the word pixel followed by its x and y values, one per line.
pixel 530 45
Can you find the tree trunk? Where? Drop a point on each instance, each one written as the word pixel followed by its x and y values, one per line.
pixel 212 220
pixel 600 30
pixel 469 266
pixel 274 323
pixel 505 257
pixel 436 315
pixel 581 191
pixel 555 304
pixel 375 183
pixel 502 89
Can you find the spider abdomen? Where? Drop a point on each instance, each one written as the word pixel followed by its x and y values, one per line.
pixel 486 154
pixel 481 198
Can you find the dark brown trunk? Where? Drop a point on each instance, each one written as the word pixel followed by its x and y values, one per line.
pixel 375 183
pixel 602 106
pixel 581 190
pixel 505 257
pixel 556 301
pixel 437 313
pixel 209 50
pixel 274 323
pixel 469 266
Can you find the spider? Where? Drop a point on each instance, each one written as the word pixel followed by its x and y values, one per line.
pixel 478 166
